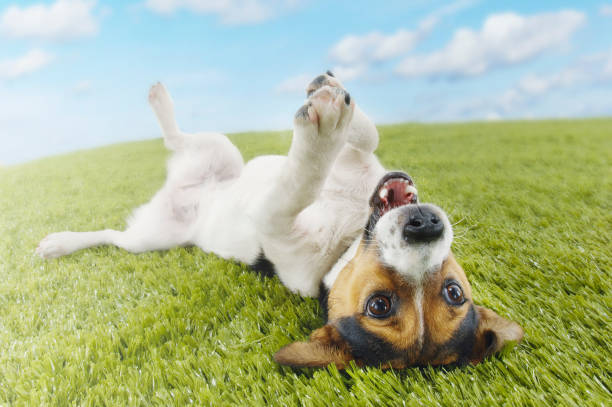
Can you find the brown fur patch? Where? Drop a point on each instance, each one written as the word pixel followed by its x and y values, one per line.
pixel 325 346
pixel 494 332
pixel 451 333
pixel 365 275
pixel 362 277
pixel 441 318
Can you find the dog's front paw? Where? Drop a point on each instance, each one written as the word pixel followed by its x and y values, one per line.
pixel 326 79
pixel 56 245
pixel 329 109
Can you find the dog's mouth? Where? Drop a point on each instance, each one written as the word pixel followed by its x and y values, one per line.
pixel 395 189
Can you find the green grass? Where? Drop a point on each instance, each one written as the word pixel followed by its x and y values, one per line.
pixel 532 202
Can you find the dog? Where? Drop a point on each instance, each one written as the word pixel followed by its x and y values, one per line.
pixel 329 221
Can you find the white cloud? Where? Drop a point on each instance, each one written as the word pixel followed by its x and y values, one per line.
pixel 230 11
pixel 540 84
pixel 505 39
pixel 354 52
pixel 82 87
pixel 350 72
pixel 606 10
pixel 591 69
pixel 26 64
pixel 294 84
pixel 589 72
pixel 64 19
pixel 373 46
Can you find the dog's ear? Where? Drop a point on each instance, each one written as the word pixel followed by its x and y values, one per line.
pixel 326 346
pixel 493 334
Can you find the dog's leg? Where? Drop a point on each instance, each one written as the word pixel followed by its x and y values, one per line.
pixel 199 157
pixel 200 162
pixel 157 225
pixel 162 105
pixel 319 134
pixel 63 243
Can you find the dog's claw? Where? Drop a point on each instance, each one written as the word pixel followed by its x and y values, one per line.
pixel 327 79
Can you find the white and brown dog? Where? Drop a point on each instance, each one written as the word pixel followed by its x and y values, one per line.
pixel 328 220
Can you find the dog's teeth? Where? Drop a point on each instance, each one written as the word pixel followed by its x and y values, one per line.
pixel 383 193
pixel 410 189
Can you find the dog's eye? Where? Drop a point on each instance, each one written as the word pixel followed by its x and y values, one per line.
pixel 378 306
pixel 453 293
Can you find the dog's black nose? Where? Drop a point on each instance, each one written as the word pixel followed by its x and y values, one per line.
pixel 423 225
pixel 347 98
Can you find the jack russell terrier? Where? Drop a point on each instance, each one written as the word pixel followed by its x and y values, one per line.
pixel 328 220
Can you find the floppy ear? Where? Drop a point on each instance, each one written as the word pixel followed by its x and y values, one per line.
pixel 493 334
pixel 325 346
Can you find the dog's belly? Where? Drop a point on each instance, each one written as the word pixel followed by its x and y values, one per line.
pixel 231 213
pixel 226 223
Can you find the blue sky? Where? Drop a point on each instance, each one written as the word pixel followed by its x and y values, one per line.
pixel 75 73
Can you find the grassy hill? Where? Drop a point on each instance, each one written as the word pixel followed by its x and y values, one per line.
pixel 532 207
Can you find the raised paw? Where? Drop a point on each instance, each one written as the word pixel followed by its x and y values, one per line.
pixel 326 79
pixel 57 244
pixel 328 108
pixel 159 99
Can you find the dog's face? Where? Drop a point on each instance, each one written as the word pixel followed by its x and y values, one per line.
pixel 403 300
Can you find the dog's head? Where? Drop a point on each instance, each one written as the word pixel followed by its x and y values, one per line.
pixel 402 300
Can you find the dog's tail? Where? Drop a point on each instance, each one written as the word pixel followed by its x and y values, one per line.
pixel 162 105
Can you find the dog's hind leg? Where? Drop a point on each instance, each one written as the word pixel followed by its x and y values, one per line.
pixel 198 157
pixel 162 105
pixel 63 243
pixel 160 224
pixel 199 163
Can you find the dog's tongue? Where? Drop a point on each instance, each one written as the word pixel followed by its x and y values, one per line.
pixel 397 192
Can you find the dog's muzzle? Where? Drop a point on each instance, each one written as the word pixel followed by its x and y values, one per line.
pixel 423 224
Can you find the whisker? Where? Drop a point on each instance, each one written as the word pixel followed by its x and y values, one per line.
pixel 458 222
